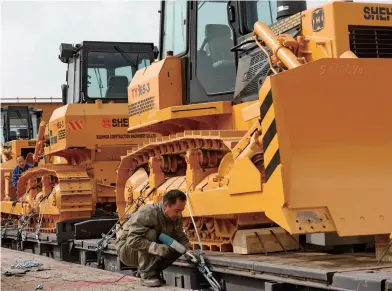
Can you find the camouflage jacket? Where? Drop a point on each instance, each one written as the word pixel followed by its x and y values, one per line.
pixel 147 217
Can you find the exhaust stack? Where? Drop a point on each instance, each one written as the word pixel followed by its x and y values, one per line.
pixel 287 8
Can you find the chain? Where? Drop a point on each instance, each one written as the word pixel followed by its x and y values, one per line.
pixel 21 235
pixel 202 266
pixel 386 251
pixel 40 217
pixel 103 243
pixel 203 269
pixel 39 223
pixel 9 219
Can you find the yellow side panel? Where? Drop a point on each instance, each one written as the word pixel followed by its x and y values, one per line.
pixel 6 207
pixel 240 183
pixel 153 88
pixel 241 113
pixel 18 145
pixel 89 125
pixel 334 20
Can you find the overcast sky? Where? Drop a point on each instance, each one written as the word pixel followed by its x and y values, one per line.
pixel 31 32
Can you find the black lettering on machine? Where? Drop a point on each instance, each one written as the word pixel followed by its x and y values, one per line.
pixel 377 13
pixel 125 136
pixel 120 122
pixel 113 136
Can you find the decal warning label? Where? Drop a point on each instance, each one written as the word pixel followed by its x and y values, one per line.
pixel 75 125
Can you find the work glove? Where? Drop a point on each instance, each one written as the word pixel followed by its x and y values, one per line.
pixel 161 250
pixel 192 256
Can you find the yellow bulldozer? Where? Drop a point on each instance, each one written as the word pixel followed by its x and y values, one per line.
pixel 272 129
pixel 20 119
pixel 275 129
pixel 79 150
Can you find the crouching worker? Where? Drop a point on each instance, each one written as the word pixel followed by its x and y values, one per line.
pixel 138 245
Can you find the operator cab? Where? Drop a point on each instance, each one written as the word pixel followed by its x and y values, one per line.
pixel 204 33
pixel 19 123
pixel 102 70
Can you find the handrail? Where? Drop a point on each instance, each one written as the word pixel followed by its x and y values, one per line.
pixel 31 99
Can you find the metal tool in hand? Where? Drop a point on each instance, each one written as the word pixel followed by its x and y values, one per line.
pixel 198 260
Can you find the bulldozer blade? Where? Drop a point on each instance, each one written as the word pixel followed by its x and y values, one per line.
pixel 328 151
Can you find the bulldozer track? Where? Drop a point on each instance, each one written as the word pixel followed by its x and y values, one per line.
pixel 216 232
pixel 207 141
pixel 179 143
pixel 71 196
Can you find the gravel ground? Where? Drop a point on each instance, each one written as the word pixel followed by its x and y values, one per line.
pixel 57 275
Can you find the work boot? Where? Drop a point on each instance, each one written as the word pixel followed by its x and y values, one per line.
pixel 160 277
pixel 150 282
pixel 163 281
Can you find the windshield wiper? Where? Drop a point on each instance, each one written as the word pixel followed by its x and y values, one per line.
pixel 125 56
pixel 20 118
pixel 100 84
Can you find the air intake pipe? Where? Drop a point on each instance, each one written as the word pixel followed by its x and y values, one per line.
pixel 285 55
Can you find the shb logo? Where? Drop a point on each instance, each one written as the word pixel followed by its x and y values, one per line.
pixel 318 19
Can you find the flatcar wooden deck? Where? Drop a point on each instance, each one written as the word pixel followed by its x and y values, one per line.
pixel 344 271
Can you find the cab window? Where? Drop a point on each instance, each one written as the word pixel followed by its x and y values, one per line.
pixel 215 63
pixel 262 10
pixel 174 31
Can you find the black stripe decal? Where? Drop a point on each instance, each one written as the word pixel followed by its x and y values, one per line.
pixel 265 106
pixel 269 135
pixel 274 163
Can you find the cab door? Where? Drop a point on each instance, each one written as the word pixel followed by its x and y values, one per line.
pixel 202 34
